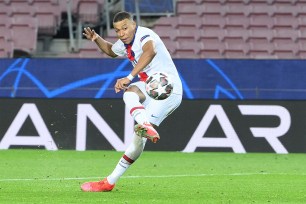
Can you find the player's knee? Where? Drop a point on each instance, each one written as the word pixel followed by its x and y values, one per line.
pixel 130 95
pixel 136 90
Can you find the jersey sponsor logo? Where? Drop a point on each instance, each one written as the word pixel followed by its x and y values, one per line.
pixel 144 37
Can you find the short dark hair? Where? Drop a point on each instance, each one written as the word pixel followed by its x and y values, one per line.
pixel 120 16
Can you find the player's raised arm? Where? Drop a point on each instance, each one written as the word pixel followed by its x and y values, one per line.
pixel 104 45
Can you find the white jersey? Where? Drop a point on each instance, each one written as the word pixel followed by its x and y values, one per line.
pixel 162 62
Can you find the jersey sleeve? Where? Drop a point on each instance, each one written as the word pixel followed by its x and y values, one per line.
pixel 145 38
pixel 118 49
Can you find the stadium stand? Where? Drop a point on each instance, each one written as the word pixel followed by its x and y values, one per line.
pixel 198 28
pixel 242 29
pixel 89 11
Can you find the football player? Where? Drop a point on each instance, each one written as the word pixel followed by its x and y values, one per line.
pixel 148 55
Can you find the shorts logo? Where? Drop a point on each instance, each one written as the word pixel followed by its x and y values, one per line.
pixel 141 39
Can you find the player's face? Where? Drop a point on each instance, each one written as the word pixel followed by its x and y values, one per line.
pixel 125 30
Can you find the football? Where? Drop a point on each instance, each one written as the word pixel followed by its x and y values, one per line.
pixel 159 86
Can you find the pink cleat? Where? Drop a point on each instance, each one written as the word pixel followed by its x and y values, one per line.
pixel 147 130
pixel 100 186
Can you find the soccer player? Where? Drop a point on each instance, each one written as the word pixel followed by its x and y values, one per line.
pixel 148 55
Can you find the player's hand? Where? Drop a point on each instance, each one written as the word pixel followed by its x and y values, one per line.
pixel 90 34
pixel 121 84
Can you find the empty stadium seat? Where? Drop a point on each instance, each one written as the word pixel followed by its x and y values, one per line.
pixel 88 11
pixel 6 9
pixel 236 20
pixel 301 20
pixel 235 47
pixel 185 33
pixel 6 48
pixel 21 8
pixel 5 20
pixel 47 23
pixel 24 38
pixel 285 20
pixel 285 8
pixel 188 49
pixel 260 20
pixel 301 34
pixel 24 20
pixel 89 49
pixel 211 48
pixel 24 33
pixel 236 32
pixel 166 32
pixel 301 53
pixel 74 6
pixel 186 8
pixel 167 21
pixel 171 45
pixel 212 20
pixel 191 22
pixel 261 33
pixel 43 8
pixel 236 8
pixel 285 33
pixel 6 33
pixel 212 33
pixel 260 48
pixel 261 8
pixel 285 49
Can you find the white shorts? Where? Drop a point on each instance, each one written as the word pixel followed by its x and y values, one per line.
pixel 158 110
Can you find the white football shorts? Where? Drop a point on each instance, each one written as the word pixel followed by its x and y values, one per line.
pixel 158 110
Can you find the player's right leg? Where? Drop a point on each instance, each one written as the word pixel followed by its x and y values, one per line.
pixel 147 130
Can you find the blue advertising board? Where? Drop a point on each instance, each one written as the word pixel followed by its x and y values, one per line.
pixel 202 78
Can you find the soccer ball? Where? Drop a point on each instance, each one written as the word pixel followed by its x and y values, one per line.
pixel 159 86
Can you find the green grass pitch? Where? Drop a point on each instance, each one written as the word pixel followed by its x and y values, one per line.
pixel 39 176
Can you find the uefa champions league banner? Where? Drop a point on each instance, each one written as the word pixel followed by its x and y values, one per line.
pixel 238 126
pixel 202 78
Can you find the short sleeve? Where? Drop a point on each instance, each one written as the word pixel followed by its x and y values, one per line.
pixel 118 49
pixel 145 38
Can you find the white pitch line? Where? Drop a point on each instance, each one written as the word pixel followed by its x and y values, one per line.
pixel 153 176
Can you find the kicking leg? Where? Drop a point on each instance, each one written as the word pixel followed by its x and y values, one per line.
pixel 144 128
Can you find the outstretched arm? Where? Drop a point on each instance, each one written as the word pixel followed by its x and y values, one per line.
pixel 104 45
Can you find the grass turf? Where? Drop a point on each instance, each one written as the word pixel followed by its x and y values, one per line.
pixel 39 176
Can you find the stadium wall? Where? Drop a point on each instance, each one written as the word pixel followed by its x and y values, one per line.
pixel 70 104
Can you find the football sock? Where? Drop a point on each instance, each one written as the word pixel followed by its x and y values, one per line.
pixel 137 110
pixel 131 154
pixel 136 147
pixel 123 164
